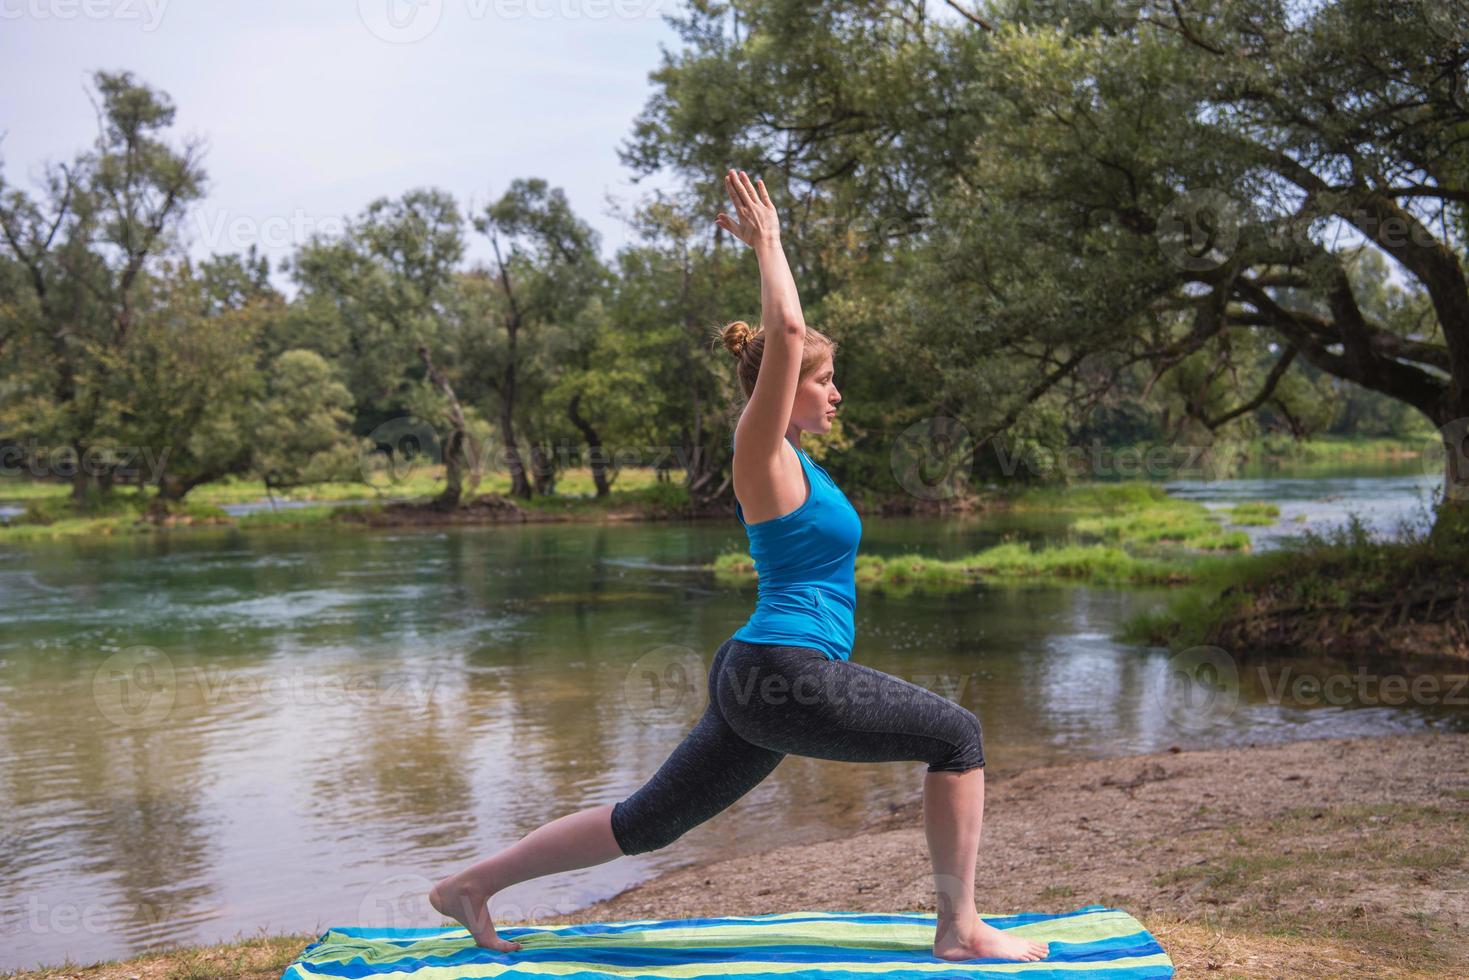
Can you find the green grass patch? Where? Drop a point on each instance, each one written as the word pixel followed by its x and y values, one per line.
pixel 1256 512
pixel 1179 537
pixel 1007 561
pixel 1322 572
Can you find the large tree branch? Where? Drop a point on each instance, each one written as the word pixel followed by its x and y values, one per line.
pixel 1268 389
pixel 973 18
pixel 1401 381
pixel 1382 221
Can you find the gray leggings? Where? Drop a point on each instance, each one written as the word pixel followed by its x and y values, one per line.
pixel 767 702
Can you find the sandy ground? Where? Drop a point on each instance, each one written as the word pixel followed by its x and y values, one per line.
pixel 1342 857
pixel 1332 858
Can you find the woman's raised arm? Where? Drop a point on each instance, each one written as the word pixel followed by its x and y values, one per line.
pixel 763 425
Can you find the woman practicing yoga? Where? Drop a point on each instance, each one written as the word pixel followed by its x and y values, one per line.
pixel 783 683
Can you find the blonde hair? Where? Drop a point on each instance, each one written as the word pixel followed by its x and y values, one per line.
pixel 748 346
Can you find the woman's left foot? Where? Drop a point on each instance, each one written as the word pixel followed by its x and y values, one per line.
pixel 980 940
pixel 459 900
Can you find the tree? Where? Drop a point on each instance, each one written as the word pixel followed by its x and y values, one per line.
pixel 546 272
pixel 389 280
pixel 86 250
pixel 1094 188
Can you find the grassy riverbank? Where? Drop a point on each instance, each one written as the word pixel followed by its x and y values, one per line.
pixel 1320 859
pixel 401 498
pixel 1334 594
pixel 50 513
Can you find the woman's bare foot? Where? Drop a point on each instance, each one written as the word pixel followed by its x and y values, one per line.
pixel 459 900
pixel 980 940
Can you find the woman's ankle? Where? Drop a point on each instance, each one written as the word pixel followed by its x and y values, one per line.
pixel 957 925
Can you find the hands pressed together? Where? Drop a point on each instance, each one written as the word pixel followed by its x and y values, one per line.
pixel 757 219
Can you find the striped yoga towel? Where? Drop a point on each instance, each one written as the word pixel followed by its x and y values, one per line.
pixel 1094 941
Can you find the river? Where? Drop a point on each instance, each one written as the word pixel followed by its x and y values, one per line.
pixel 213 732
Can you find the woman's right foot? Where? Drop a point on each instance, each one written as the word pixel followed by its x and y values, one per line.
pixel 458 899
pixel 980 940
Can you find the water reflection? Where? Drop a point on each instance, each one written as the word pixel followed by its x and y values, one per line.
pixel 352 715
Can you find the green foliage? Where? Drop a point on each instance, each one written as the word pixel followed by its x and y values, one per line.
pixel 304 433
pixel 1254 512
pixel 668 496
pixel 1077 223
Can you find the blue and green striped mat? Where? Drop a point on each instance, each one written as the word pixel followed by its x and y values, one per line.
pixel 1094 941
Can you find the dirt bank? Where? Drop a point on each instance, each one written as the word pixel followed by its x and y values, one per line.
pixel 1333 858
pixel 1328 858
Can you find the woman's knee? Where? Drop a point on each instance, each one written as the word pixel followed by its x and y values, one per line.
pixel 967 744
pixel 639 833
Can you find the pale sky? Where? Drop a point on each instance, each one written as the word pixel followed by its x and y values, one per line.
pixel 313 109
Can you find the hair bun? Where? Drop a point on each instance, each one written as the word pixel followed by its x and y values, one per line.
pixel 737 337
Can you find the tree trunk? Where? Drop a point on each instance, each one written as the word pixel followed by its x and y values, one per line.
pixel 594 446
pixel 519 485
pixel 1451 523
pixel 543 467
pixel 454 461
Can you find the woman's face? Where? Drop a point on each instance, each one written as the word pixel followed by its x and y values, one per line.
pixel 816 399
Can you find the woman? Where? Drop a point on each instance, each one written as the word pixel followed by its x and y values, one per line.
pixel 783 683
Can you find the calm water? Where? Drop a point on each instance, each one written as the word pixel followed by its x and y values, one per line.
pixel 212 733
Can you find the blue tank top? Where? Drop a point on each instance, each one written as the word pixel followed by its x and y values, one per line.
pixel 807 562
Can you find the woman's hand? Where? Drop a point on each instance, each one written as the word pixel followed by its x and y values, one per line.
pixel 757 219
